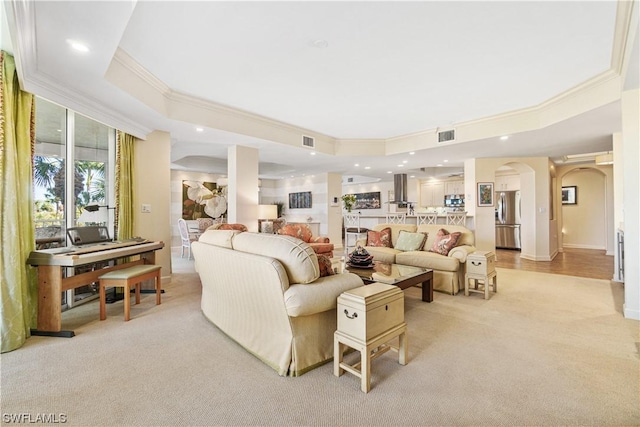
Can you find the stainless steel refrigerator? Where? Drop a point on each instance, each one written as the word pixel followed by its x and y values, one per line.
pixel 508 219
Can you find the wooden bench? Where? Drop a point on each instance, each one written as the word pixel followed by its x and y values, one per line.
pixel 126 278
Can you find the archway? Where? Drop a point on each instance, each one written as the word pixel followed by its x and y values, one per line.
pixel 585 217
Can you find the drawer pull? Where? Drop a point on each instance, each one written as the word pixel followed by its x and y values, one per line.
pixel 476 264
pixel 346 312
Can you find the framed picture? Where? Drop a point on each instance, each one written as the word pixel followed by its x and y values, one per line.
pixel 485 194
pixel 301 200
pixel 570 195
pixel 368 200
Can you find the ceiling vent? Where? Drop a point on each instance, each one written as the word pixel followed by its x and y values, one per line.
pixel 308 141
pixel 349 179
pixel 446 135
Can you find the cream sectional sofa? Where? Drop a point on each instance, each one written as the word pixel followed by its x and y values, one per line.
pixel 448 271
pixel 265 292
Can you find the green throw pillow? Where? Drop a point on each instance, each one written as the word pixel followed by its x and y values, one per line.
pixel 410 241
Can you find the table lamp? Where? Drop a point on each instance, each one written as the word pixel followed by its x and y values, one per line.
pixel 266 213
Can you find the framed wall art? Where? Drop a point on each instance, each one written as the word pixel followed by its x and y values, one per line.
pixel 301 200
pixel 367 200
pixel 485 194
pixel 570 195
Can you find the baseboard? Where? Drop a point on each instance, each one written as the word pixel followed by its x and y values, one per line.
pixel 535 258
pixel 575 246
pixel 631 314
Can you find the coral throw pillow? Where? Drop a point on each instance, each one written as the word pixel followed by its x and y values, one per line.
pixel 239 227
pixel 302 232
pixel 381 239
pixel 445 241
pixel 324 262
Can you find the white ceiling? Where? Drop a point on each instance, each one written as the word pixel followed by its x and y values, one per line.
pixel 343 70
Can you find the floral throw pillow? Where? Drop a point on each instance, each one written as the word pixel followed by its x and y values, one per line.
pixel 381 239
pixel 324 262
pixel 408 241
pixel 445 241
pixel 239 227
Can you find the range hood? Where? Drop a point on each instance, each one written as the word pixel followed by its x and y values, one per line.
pixel 399 189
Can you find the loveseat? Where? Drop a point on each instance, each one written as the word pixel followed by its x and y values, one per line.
pixel 321 245
pixel 265 291
pixel 448 270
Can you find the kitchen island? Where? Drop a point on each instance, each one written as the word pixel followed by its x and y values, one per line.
pixel 369 221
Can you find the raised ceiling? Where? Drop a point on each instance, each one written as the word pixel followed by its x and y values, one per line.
pixel 380 76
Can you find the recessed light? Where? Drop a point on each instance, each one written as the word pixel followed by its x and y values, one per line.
pixel 313 153
pixel 439 164
pixel 356 165
pixel 79 46
pixel 320 43
pixel 367 167
pixel 389 171
pixel 445 161
pixel 405 161
pixel 400 166
pixel 412 176
pixel 412 153
pixel 199 130
pixel 504 138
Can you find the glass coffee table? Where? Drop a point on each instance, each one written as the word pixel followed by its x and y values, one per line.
pixel 402 276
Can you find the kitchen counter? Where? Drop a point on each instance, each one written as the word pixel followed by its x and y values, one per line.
pixel 368 221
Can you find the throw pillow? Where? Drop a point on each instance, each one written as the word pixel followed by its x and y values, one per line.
pixel 381 239
pixel 445 241
pixel 324 262
pixel 239 227
pixel 408 241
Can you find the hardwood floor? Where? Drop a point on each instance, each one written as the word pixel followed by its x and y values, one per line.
pixel 572 262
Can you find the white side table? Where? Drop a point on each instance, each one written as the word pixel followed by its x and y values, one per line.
pixel 481 266
pixel 368 318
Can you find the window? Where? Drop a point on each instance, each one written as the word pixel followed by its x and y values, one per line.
pixel 63 188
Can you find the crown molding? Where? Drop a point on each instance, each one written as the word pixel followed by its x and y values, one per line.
pixel 22 14
pixel 623 30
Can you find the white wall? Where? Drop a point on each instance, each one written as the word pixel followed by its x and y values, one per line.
pixel 534 188
pixel 631 160
pixel 152 183
pixel 588 224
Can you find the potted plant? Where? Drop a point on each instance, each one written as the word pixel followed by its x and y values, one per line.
pixel 280 206
pixel 349 201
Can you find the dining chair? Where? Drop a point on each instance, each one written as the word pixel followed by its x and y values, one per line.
pixel 186 237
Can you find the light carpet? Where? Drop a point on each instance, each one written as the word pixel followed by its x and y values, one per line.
pixel 545 350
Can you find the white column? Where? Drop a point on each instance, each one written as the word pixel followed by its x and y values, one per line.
pixel 242 192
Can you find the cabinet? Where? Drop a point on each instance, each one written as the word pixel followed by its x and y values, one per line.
pixel 507 182
pixel 432 194
pixel 454 187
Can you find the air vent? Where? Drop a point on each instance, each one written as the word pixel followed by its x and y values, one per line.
pixel 349 179
pixel 308 141
pixel 447 135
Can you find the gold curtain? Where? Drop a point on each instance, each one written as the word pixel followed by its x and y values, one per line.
pixel 18 290
pixel 124 185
